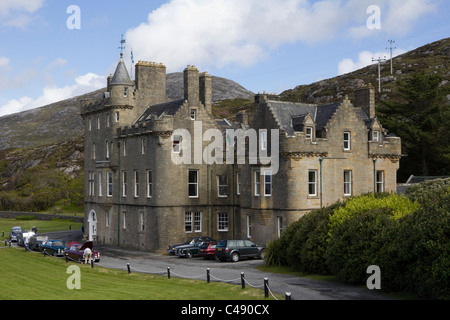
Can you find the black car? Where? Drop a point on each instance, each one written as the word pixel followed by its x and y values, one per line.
pixel 235 250
pixel 14 234
pixel 191 250
pixel 173 247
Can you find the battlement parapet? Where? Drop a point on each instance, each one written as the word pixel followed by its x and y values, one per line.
pixel 150 64
pixel 92 106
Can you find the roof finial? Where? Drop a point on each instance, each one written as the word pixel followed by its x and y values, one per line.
pixel 122 42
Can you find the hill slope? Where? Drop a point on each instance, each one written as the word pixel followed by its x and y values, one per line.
pixel 430 58
pixel 55 122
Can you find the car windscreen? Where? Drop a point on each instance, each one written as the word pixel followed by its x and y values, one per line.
pixel 58 244
pixel 222 244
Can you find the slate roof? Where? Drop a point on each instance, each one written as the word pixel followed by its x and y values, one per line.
pixel 291 114
pixel 284 111
pixel 121 76
pixel 166 108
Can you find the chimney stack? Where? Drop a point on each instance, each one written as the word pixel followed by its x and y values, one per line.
pixel 191 85
pixel 206 91
pixel 365 99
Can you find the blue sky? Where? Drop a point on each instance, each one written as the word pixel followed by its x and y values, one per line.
pixel 49 53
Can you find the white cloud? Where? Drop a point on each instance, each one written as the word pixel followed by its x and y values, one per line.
pixel 50 94
pixel 218 32
pixel 364 59
pixel 4 62
pixel 397 18
pixel 16 13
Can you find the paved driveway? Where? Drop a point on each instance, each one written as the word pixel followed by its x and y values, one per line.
pixel 196 268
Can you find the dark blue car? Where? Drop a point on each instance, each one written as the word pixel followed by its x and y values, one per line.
pixel 54 247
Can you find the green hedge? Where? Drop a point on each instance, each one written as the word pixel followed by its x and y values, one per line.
pixel 407 237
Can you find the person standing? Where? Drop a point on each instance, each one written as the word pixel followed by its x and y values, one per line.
pixel 87 255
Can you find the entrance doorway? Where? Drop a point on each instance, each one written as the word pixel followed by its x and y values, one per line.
pixel 92 224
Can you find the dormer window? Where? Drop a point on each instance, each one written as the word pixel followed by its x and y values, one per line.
pixel 309 133
pixel 376 136
pixel 193 114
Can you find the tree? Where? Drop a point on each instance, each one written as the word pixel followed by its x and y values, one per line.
pixel 421 117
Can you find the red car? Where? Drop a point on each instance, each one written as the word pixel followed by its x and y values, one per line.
pixel 76 251
pixel 207 250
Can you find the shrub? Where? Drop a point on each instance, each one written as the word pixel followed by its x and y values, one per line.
pixel 306 251
pixel 399 205
pixel 356 243
pixel 24 218
pixel 422 252
pixel 276 250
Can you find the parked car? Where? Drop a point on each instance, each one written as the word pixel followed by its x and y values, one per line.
pixel 191 251
pixel 14 234
pixel 173 247
pixel 207 250
pixel 35 242
pixel 235 250
pixel 24 237
pixel 76 251
pixel 54 247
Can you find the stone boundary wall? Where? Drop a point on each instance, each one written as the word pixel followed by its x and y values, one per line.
pixel 39 216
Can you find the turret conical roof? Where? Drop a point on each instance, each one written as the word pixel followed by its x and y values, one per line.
pixel 121 76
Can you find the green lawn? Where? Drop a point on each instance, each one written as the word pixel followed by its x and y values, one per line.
pixel 41 225
pixel 30 275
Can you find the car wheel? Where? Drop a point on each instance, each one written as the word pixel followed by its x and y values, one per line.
pixel 189 254
pixel 235 257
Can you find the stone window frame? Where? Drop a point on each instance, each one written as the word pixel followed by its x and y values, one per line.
pixel 347 141
pixel 380 184
pixel 223 221
pixel 313 183
pixel 100 183
pixel 124 183
pixel 136 183
pixel 109 182
pixel 348 183
pixel 149 176
pixel 193 183
pixel 222 186
pixel 268 173
pixel 256 183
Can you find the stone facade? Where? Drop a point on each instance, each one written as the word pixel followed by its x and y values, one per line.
pixel 148 183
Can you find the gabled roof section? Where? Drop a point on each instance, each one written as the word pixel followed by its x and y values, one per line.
pixel 168 108
pixel 285 111
pixel 121 76
pixel 324 114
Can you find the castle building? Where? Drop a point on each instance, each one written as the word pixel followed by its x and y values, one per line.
pixel 160 171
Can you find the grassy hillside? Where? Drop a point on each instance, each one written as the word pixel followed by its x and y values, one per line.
pixel 44 178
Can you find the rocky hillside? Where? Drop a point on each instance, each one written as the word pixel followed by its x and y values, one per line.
pixel 431 58
pixel 55 122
